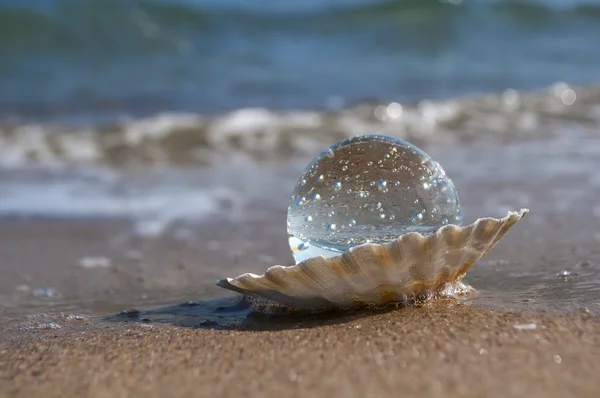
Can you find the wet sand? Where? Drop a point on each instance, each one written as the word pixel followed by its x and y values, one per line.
pixel 442 349
pixel 485 346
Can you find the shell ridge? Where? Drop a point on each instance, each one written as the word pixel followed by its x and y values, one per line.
pixel 370 261
pixel 391 261
pixel 352 272
pixel 394 271
pixel 400 271
pixel 246 281
pixel 341 278
pixel 286 281
pixel 378 273
pixel 476 245
pixel 502 227
pixel 255 286
pixel 443 250
pixel 320 276
pixel 413 248
pixel 381 262
pixel 443 270
pixel 511 220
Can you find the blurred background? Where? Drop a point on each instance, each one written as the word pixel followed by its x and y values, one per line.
pixel 191 120
pixel 119 107
pixel 96 60
pixel 106 105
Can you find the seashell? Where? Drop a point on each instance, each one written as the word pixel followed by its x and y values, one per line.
pixel 409 267
pixel 373 220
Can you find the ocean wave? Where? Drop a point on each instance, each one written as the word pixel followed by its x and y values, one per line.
pixel 152 25
pixel 263 135
pixel 96 59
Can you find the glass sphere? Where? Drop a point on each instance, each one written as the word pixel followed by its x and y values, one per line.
pixel 368 189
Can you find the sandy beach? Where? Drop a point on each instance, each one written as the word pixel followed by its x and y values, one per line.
pixel 528 331
pixel 442 349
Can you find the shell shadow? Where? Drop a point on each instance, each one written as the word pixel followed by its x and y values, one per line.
pixel 236 313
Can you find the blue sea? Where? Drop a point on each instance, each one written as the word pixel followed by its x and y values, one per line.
pixel 103 87
pixel 82 60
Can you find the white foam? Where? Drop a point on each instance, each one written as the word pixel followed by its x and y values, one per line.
pixel 154 205
pixel 262 134
pixel 158 127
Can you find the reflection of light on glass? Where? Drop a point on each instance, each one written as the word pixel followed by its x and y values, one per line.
pixel 511 98
pixel 564 93
pixel 568 97
pixel 381 113
pixel 394 110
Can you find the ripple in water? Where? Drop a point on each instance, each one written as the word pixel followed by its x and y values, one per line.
pixel 368 189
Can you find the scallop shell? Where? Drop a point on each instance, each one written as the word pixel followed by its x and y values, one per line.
pixel 376 274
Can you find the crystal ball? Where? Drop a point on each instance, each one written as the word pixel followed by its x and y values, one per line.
pixel 368 189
